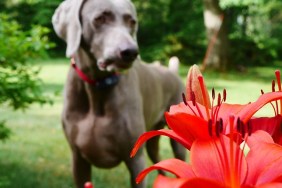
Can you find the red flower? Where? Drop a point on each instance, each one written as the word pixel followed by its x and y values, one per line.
pixel 220 163
pixel 210 133
pixel 190 120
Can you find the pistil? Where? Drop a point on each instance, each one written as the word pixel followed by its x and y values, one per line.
pixel 232 168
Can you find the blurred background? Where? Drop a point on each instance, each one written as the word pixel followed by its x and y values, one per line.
pixel 237 43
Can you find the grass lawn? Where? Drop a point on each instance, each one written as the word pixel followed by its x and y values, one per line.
pixel 37 154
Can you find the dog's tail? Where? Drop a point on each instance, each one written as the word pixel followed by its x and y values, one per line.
pixel 173 64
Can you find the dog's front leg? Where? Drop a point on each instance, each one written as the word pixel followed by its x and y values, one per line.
pixel 81 169
pixel 135 165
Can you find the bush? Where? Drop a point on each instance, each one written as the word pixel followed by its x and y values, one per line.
pixel 4 131
pixel 250 53
pixel 20 85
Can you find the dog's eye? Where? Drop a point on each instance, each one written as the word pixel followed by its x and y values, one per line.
pixel 100 20
pixel 132 22
pixel 103 18
pixel 129 20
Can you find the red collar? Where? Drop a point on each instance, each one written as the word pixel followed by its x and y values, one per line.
pixel 99 83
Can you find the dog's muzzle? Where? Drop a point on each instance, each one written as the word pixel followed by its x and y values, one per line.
pixel 129 55
pixel 123 59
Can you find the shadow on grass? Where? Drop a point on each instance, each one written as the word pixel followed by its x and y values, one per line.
pixel 16 175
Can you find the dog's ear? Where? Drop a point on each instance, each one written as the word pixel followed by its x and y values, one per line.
pixel 67 25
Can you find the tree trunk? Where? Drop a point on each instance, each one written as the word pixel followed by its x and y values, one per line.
pixel 217 56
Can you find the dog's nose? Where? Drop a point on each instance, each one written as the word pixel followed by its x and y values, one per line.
pixel 129 54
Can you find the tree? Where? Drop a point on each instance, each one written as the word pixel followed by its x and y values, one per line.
pixel 217 56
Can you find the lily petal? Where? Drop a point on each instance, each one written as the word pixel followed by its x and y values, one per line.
pixel 182 108
pixel 175 166
pixel 188 126
pixel 271 125
pixel 250 109
pixel 263 159
pixel 203 183
pixel 178 108
pixel 271 172
pixel 270 185
pixel 211 159
pixel 193 85
pixel 148 135
pixel 168 182
pixel 226 110
pixel 259 137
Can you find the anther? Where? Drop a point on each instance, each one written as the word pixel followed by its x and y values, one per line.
pixel 243 131
pixel 273 86
pixel 241 127
pixel 238 126
pixel 249 128
pixel 224 95
pixel 261 91
pixel 221 125
pixel 217 128
pixel 219 100
pixel 210 127
pixel 184 99
pixel 213 93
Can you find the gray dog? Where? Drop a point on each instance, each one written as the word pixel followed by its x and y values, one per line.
pixel 111 97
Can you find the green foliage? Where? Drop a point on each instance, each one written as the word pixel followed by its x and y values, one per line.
pixel 4 132
pixel 255 31
pixel 168 28
pixel 250 54
pixel 20 85
pixel 186 37
pixel 35 12
pixel 231 3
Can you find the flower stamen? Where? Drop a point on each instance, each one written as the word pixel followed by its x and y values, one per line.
pixel 273 85
pixel 213 93
pixel 184 99
pixel 224 95
pixel 231 158
pixel 219 127
pixel 210 127
pixel 249 126
pixel 194 104
pixel 278 78
pixel 234 176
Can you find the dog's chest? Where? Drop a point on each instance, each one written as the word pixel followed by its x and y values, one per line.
pixel 104 140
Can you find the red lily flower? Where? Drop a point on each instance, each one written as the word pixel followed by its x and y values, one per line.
pixel 220 163
pixel 216 157
pixel 190 120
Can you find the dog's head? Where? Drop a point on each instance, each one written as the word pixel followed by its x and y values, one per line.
pixel 107 27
